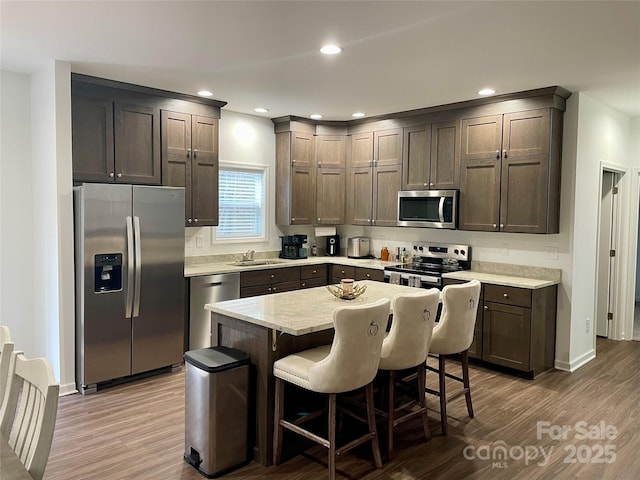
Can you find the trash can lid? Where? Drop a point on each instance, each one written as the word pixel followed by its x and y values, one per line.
pixel 216 359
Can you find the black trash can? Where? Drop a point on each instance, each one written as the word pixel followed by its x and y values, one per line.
pixel 216 409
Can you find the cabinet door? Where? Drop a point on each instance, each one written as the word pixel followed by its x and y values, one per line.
pixel 507 335
pixel 386 184
pixel 415 157
pixel 204 161
pixel 302 150
pixel 387 147
pixel 360 196
pixel 176 154
pixel 338 272
pixel 330 151
pixel 362 150
pixel 302 195
pixel 445 156
pixel 475 350
pixel 481 138
pixel 526 134
pixel 204 191
pixel 374 274
pixel 479 195
pixel 330 196
pixel 92 139
pixel 137 144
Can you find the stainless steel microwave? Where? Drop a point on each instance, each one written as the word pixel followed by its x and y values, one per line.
pixel 428 208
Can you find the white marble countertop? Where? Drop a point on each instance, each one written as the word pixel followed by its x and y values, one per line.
pixel 499 279
pixel 301 311
pixel 198 269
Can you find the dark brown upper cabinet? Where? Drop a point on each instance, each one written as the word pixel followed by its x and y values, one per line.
pixel 295 178
pixel 510 172
pixel 190 160
pixel 115 141
pixel 375 176
pixel 431 156
pixel 330 158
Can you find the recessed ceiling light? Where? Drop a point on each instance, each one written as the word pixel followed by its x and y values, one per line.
pixel 486 91
pixel 316 116
pixel 261 110
pixel 205 93
pixel 330 49
pixel 358 115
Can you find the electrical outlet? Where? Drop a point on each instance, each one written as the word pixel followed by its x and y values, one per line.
pixel 552 252
pixel 199 241
pixel 505 250
pixel 588 324
pixel 188 242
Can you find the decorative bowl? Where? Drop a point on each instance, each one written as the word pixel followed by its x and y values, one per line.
pixel 336 291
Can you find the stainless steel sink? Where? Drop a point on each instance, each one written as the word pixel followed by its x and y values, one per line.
pixel 254 263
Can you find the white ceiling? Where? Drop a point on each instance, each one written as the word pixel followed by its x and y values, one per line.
pixel 397 55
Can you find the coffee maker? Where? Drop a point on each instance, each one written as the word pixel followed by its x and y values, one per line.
pixel 333 245
pixel 292 246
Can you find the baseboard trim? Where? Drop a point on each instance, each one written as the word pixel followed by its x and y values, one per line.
pixel 576 363
pixel 67 389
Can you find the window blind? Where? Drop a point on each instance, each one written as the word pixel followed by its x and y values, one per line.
pixel 241 208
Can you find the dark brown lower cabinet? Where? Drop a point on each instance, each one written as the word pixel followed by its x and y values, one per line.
pixel 313 276
pixel 273 280
pixel 515 327
pixel 364 273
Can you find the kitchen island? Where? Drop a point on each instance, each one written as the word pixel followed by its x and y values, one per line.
pixel 270 327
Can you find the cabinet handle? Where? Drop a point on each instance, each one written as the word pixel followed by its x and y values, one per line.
pixel 505 295
pixel 195 152
pixel 269 289
pixel 486 308
pixel 293 162
pixel 495 226
pixel 342 272
pixel 502 225
pixel 497 153
pixel 274 289
pixel 431 184
pixel 119 175
pixel 303 284
pixel 424 185
pixel 318 218
pixel 315 271
pixel 504 154
pixel 368 275
pixel 111 174
pixel 195 220
pixel 373 221
pixel 319 164
pixel 293 219
pixel 188 152
pixel 188 220
pixel 272 276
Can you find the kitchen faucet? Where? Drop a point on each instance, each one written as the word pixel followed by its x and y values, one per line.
pixel 248 256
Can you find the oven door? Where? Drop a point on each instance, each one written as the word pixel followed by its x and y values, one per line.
pixel 428 208
pixel 413 280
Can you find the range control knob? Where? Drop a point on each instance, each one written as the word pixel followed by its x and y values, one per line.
pixel 455 251
pixel 462 252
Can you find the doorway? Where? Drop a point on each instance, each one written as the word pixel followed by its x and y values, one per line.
pixel 606 253
pixel 636 310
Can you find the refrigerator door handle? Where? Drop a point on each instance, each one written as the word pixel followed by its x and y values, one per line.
pixel 130 257
pixel 138 260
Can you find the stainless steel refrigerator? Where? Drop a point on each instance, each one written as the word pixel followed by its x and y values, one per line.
pixel 130 305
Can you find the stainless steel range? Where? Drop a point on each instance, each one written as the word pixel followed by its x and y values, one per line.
pixel 428 265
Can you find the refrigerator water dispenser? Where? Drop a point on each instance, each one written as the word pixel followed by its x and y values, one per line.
pixel 108 272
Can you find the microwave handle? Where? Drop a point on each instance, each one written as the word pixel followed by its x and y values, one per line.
pixel 441 209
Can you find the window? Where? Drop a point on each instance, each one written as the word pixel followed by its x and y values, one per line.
pixel 242 197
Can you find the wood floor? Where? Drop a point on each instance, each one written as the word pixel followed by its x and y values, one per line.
pixel 136 431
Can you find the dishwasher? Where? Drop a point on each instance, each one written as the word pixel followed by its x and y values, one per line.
pixel 208 289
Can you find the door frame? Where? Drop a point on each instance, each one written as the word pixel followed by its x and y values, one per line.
pixel 621 327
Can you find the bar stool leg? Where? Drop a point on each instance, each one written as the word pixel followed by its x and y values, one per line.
pixel 391 410
pixel 443 394
pixel 465 381
pixel 277 430
pixel 332 436
pixel 422 381
pixel 371 417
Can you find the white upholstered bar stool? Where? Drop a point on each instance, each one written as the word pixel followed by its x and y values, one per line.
pixel 406 347
pixel 28 412
pixel 349 363
pixel 6 349
pixel 453 334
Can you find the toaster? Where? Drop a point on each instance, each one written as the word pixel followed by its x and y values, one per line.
pixel 358 247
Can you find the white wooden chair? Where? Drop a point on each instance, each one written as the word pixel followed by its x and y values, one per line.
pixel 28 412
pixel 406 347
pixel 6 349
pixel 349 363
pixel 452 335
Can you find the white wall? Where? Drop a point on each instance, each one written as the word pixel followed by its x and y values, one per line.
pixel 16 211
pixel 635 157
pixel 37 231
pixel 244 139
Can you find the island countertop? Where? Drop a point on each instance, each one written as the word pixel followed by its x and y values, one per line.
pixel 301 311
